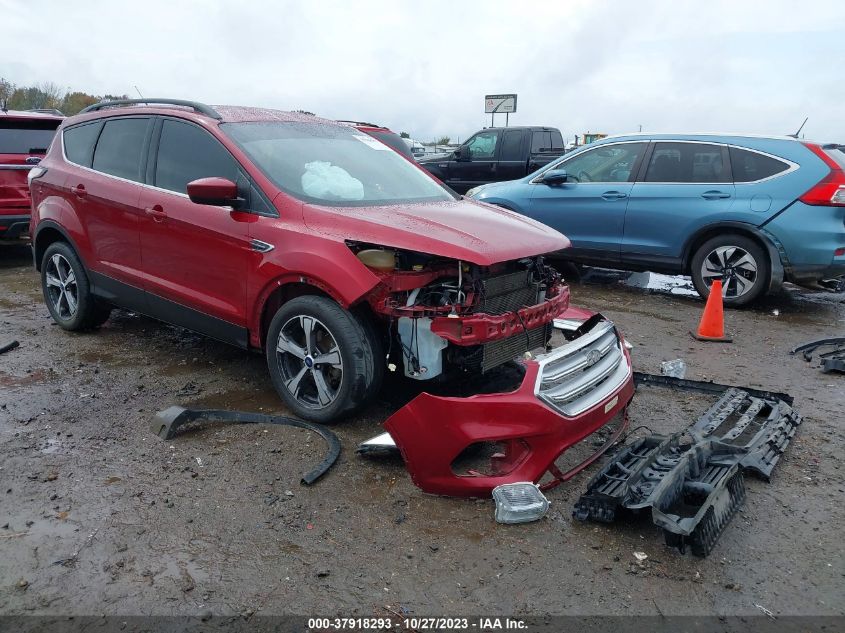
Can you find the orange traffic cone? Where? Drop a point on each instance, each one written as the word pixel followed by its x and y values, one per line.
pixel 712 326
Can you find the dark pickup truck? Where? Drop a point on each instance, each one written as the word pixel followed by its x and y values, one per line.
pixel 496 154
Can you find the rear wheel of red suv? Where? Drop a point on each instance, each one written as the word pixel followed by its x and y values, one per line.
pixel 67 291
pixel 322 359
pixel 741 264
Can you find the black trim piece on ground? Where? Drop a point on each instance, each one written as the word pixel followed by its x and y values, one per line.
pixel 708 387
pixel 131 298
pixel 168 422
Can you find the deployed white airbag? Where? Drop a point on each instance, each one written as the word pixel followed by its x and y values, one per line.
pixel 327 181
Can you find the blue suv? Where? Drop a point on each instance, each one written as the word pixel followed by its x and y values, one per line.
pixel 751 211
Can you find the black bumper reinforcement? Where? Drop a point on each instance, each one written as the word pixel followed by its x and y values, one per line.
pixel 693 481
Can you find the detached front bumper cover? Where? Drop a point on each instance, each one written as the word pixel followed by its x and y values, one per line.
pixel 565 396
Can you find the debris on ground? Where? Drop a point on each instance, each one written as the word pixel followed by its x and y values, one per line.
pixel 693 480
pixel 674 368
pixel 519 503
pixel 168 423
pixel 8 347
pixel 834 360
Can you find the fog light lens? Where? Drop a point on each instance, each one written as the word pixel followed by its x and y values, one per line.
pixel 519 503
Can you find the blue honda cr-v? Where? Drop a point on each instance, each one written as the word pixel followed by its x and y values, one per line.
pixel 752 211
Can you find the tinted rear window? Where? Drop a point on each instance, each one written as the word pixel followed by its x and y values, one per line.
pixel 26 137
pixel 393 141
pixel 79 142
pixel 120 147
pixel 750 166
pixel 511 146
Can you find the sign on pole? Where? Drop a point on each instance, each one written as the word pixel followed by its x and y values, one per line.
pixel 499 103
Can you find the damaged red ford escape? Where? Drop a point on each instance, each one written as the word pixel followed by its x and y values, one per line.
pixel 341 260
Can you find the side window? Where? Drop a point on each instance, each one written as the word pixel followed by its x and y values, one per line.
pixel 609 163
pixel 79 142
pixel 511 146
pixel 687 162
pixel 187 152
pixel 541 142
pixel 750 166
pixel 120 147
pixel 557 140
pixel 483 145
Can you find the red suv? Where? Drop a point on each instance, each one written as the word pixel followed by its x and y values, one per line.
pixel 340 260
pixel 24 139
pixel 385 135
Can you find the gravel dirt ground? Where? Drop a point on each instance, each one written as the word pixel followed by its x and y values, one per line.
pixel 98 515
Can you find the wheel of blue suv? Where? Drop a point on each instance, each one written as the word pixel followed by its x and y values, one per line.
pixel 741 264
pixel 323 360
pixel 67 291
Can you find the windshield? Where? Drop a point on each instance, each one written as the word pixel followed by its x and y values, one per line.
pixel 333 165
pixel 26 137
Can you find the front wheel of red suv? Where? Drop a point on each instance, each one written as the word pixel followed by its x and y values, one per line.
pixel 322 359
pixel 67 291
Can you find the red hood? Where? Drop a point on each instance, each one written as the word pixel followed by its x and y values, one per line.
pixel 463 229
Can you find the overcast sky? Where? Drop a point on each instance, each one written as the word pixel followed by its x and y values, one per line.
pixel 425 66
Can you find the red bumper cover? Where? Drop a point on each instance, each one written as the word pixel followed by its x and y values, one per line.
pixel 433 431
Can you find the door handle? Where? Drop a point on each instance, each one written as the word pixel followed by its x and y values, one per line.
pixel 614 195
pixel 156 212
pixel 715 195
pixel 79 191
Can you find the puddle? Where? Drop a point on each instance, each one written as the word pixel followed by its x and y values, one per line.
pixel 258 399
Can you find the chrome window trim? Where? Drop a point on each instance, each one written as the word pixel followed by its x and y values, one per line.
pixel 792 166
pixel 12 167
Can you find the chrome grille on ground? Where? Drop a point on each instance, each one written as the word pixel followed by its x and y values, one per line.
pixel 580 374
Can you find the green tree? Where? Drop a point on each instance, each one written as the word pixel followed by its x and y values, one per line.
pixel 73 102
pixel 404 135
pixel 443 140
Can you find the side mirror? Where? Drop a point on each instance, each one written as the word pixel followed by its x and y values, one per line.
pixel 555 177
pixel 462 153
pixel 219 192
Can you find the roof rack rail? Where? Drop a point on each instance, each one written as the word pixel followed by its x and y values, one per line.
pixel 199 107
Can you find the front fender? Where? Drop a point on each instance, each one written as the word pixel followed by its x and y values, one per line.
pixel 327 265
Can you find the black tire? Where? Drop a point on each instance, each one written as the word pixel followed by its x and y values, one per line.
pixel 70 303
pixel 731 257
pixel 346 389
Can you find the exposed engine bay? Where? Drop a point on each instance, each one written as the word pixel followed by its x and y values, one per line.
pixel 445 315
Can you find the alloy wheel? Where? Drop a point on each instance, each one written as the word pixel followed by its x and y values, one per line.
pixel 62 287
pixel 310 361
pixel 735 266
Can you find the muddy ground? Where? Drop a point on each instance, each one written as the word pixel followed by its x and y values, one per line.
pixel 98 515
